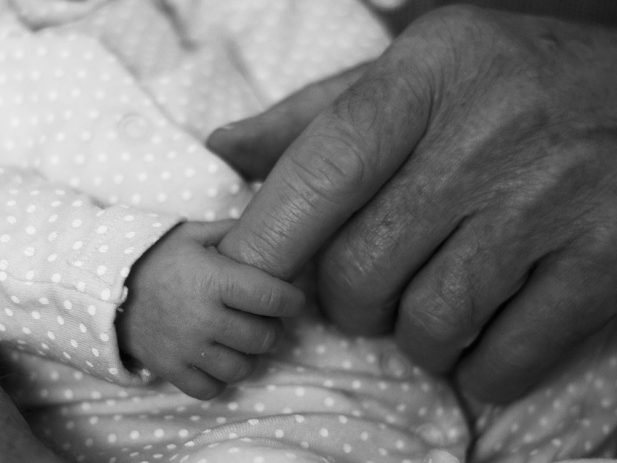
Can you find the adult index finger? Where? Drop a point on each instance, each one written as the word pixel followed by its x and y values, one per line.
pixel 338 163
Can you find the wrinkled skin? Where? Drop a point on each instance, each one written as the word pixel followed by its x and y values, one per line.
pixel 462 192
pixel 196 318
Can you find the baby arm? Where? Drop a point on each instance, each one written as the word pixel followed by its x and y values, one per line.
pixel 63 264
pixel 195 317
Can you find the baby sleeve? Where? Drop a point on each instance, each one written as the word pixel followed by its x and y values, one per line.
pixel 71 117
pixel 62 269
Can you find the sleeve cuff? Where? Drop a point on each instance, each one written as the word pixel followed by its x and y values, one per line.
pixel 118 237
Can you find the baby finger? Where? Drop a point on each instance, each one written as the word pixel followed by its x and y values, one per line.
pixel 224 364
pixel 252 290
pixel 197 383
pixel 248 333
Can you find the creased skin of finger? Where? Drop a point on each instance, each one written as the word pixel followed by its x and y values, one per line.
pixel 336 165
pixel 446 305
pixel 564 302
pixel 254 145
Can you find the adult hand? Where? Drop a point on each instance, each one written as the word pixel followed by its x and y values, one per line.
pixel 464 189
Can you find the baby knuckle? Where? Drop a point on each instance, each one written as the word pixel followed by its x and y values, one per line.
pixel 457 287
pixel 271 298
pixel 262 338
pixel 205 283
pixel 269 338
pixel 249 364
pixel 228 283
pixel 227 328
pixel 241 369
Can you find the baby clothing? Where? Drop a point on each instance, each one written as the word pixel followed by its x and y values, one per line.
pixel 103 108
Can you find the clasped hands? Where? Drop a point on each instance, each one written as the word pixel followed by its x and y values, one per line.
pixel 460 191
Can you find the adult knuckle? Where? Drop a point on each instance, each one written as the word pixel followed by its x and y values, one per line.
pixel 346 272
pixel 433 315
pixel 360 254
pixel 457 281
pixel 341 266
pixel 357 111
pixel 364 261
pixel 516 357
pixel 354 300
pixel 454 23
pixel 462 13
pixel 594 252
pixel 336 167
pixel 263 249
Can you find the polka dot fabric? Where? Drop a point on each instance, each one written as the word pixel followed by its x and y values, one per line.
pixel 104 106
pixel 107 104
pixel 573 414
pixel 321 397
pixel 62 269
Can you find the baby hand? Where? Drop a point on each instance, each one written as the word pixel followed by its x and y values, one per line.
pixel 194 316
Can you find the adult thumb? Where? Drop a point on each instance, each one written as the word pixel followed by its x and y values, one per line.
pixel 254 145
